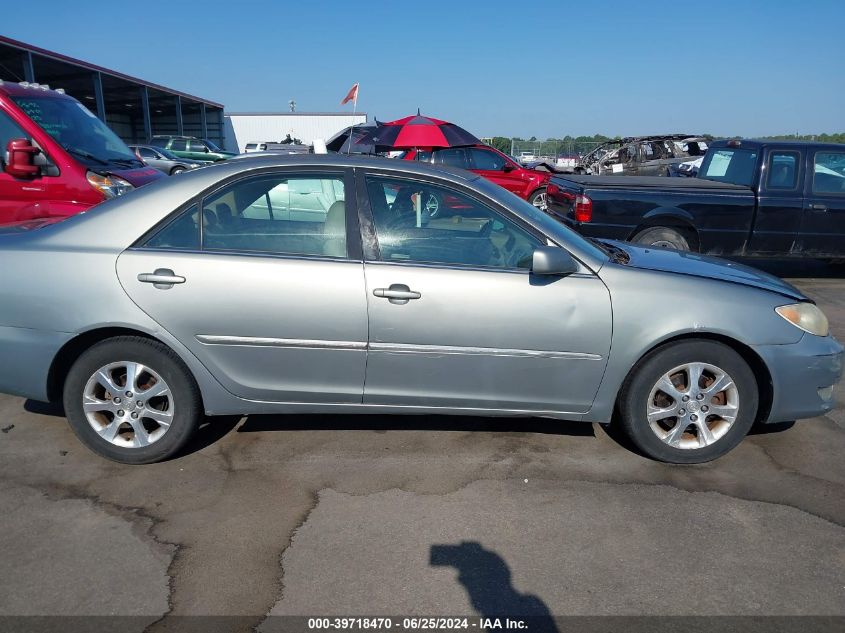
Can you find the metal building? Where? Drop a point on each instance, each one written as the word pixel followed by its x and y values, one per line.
pixel 135 109
pixel 256 127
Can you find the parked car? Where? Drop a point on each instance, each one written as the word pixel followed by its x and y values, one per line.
pixel 527 157
pixel 191 148
pixel 642 155
pixel 56 157
pixel 528 184
pixel 163 160
pixel 492 308
pixel 763 198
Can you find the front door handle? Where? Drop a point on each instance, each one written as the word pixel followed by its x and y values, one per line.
pixel 162 278
pixel 398 294
pixel 818 207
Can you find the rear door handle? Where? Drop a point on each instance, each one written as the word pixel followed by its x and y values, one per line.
pixel 398 294
pixel 818 207
pixel 162 278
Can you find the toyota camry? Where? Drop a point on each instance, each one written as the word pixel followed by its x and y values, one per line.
pixel 332 284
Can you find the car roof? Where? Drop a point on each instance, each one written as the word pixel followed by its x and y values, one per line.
pixel 276 159
pixel 26 89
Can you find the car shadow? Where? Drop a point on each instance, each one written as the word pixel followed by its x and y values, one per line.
pixel 486 578
pixel 324 422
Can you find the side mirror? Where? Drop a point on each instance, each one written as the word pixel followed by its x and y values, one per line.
pixel 552 260
pixel 508 168
pixel 21 159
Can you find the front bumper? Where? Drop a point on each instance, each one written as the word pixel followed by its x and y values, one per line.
pixel 801 375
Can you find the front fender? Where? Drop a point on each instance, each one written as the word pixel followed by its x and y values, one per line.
pixel 651 307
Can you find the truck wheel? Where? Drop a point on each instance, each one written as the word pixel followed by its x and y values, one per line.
pixel 688 402
pixel 132 400
pixel 662 237
pixel 538 199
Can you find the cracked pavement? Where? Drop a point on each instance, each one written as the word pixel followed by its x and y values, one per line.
pixel 368 515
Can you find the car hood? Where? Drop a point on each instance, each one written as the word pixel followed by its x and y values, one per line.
pixel 695 265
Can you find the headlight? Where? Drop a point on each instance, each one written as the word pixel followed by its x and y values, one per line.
pixel 109 186
pixel 806 316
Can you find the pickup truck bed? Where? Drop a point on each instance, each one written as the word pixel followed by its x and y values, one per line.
pixel 651 182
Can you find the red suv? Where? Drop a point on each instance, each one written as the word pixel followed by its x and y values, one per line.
pixel 57 158
pixel 529 184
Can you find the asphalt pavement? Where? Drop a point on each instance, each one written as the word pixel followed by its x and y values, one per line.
pixel 423 515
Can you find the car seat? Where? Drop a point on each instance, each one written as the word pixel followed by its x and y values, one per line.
pixel 334 230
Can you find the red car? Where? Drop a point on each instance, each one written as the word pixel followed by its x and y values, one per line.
pixel 57 158
pixel 529 184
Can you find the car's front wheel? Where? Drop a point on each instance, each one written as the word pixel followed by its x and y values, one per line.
pixel 177 170
pixel 689 402
pixel 132 400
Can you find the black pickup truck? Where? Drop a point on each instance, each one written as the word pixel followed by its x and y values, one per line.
pixel 761 198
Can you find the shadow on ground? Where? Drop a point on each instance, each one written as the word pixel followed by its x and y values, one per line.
pixel 486 578
pixel 322 422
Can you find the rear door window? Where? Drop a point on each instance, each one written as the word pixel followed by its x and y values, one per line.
pixel 179 145
pixel 829 173
pixel 782 170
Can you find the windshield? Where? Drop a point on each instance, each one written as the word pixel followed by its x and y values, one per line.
pixel 736 166
pixel 551 227
pixel 76 128
pixel 212 146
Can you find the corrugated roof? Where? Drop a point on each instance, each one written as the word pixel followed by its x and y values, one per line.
pixel 78 62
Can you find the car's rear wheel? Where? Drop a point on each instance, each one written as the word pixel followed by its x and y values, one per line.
pixel 539 200
pixel 689 402
pixel 177 170
pixel 132 400
pixel 662 237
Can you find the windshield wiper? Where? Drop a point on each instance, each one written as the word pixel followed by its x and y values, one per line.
pixel 84 154
pixel 126 161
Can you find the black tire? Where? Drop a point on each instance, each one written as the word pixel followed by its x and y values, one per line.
pixel 177 170
pixel 633 400
pixel 183 391
pixel 538 195
pixel 662 237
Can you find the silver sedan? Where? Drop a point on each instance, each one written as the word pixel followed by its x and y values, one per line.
pixel 325 284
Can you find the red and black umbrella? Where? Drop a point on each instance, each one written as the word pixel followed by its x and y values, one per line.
pixel 420 131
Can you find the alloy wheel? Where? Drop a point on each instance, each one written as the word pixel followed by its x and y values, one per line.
pixel 128 404
pixel 692 406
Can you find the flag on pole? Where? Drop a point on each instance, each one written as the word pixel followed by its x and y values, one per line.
pixel 352 96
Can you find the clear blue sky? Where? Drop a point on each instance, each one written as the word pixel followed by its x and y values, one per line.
pixel 517 68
